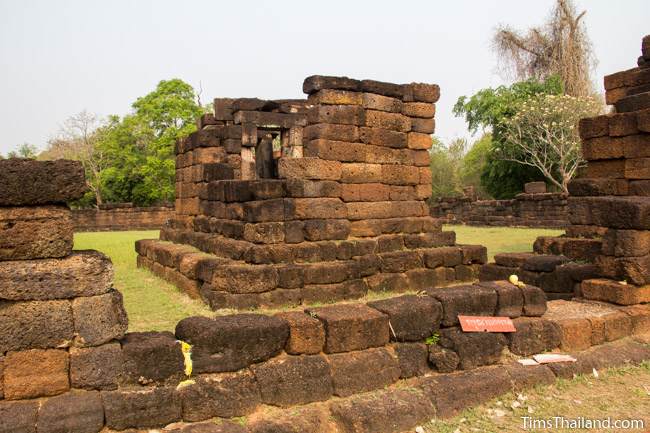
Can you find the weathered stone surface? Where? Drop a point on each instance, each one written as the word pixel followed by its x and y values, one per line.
pixel 96 367
pixel 412 359
pixel 141 408
pixel 544 262
pixel 209 427
pixel 534 300
pixel 84 273
pixel 412 318
pixel 228 343
pixel 601 289
pixel 31 182
pixel 352 372
pixel 525 377
pixel 2 367
pixel 35 373
pixel 152 357
pixel 308 419
pixel 35 232
pixel 77 411
pixel 575 333
pixel 473 348
pixel 470 388
pixel 533 336
pixel 306 333
pixel 18 416
pixel 351 327
pixel 222 395
pixel 314 83
pixel 35 324
pixel 510 300
pixel 470 300
pixel 444 360
pixel 383 412
pixel 292 380
pixel 99 319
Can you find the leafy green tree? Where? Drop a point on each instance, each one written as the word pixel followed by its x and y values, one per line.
pixel 489 109
pixel 25 150
pixel 473 165
pixel 445 166
pixel 140 147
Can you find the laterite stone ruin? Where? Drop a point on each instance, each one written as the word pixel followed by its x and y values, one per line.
pixel 317 200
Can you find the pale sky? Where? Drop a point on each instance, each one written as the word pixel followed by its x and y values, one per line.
pixel 58 58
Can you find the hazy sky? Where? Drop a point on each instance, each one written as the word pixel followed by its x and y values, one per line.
pixel 60 57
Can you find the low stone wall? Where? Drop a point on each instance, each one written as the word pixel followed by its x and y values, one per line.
pixel 527 210
pixel 115 218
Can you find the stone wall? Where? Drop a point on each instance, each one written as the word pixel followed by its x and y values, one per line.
pixel 525 210
pixel 116 218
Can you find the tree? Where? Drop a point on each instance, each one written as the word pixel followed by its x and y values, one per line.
pixel 559 47
pixel 25 150
pixel 445 166
pixel 79 139
pixel 473 165
pixel 487 110
pixel 544 134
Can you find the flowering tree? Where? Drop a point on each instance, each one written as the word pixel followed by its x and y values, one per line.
pixel 543 134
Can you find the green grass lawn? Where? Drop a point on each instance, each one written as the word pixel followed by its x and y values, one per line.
pixel 155 305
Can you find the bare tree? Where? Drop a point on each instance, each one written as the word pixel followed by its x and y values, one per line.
pixel 561 46
pixel 77 139
pixel 544 134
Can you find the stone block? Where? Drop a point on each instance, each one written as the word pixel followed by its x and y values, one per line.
pixel 384 411
pixel 443 360
pixel 96 367
pixel 355 192
pixel 543 262
pixel 400 261
pixel 419 109
pixel 393 174
pixel 372 101
pixel 335 97
pixel 323 293
pixel 474 349
pixel 534 300
pixel 420 141
pixel 383 282
pixel 601 289
pixel 30 182
pixel 533 336
pixel 384 120
pixel 152 358
pixel 412 318
pixel 471 300
pixel 329 131
pixel 443 256
pixel 141 407
pixel 421 92
pixel 35 373
pixel 383 137
pixel 35 232
pixel 473 254
pixel 18 416
pixel 99 319
pixel 593 127
pixel 309 168
pixel 337 114
pixel 314 83
pixel 412 359
pixel 306 333
pixel 326 229
pixel 351 327
pixel 423 126
pixel 35 324
pixel 314 208
pixel 76 411
pixel 85 273
pixel 224 395
pixel 291 380
pixel 351 373
pixel 575 333
pixel 510 300
pixel 626 243
pixel 228 343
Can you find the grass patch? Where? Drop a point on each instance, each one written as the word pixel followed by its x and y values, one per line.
pixel 619 393
pixel 155 305
pixel 151 303
pixel 501 239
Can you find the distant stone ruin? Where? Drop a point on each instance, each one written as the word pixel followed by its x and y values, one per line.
pixel 317 200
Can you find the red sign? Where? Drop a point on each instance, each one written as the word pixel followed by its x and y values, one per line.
pixel 486 324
